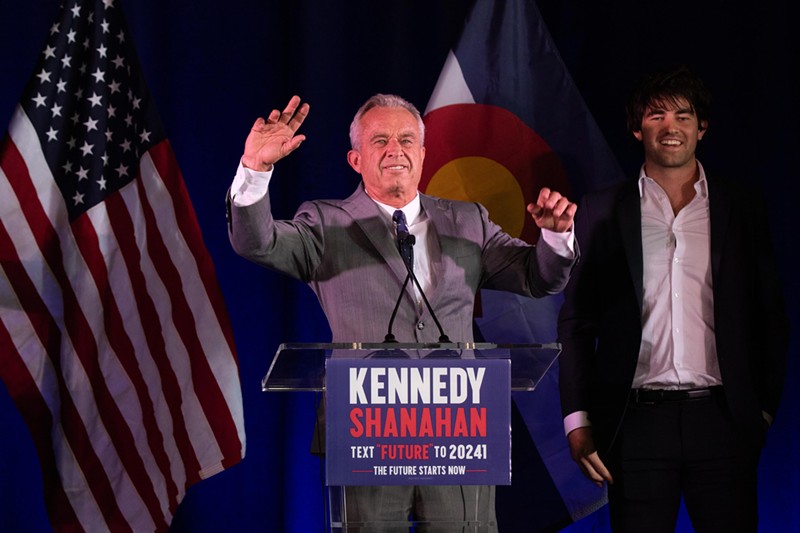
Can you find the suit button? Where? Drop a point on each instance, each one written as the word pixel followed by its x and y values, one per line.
pixel 420 325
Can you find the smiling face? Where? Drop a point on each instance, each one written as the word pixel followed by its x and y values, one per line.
pixel 390 155
pixel 669 133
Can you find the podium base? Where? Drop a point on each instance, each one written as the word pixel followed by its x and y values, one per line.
pixel 482 521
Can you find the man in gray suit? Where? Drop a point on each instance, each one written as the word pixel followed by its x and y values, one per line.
pixel 347 252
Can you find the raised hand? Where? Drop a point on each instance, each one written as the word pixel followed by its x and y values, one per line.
pixel 273 139
pixel 552 211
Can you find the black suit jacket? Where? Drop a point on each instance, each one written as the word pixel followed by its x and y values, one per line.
pixel 600 322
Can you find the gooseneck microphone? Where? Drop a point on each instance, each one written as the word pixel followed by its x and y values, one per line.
pixel 405 245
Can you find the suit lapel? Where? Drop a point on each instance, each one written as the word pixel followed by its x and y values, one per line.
pixel 719 207
pixel 629 218
pixel 441 222
pixel 368 216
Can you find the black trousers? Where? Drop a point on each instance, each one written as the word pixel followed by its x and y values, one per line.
pixel 689 448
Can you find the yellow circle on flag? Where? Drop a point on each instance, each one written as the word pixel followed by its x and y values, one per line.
pixel 483 180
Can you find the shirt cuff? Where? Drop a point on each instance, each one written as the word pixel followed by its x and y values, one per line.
pixel 562 243
pixel 578 419
pixel 249 186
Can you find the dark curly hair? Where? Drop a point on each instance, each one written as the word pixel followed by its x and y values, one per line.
pixel 668 86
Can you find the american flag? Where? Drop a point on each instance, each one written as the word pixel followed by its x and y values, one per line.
pixel 114 339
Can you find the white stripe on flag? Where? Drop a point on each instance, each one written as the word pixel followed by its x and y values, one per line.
pixel 208 327
pixel 75 377
pixel 451 87
pixel 116 346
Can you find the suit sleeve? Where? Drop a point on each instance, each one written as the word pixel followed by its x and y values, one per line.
pixel 293 247
pixel 513 265
pixel 772 319
pixel 578 323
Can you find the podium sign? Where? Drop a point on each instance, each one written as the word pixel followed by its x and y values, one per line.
pixel 468 383
pixel 436 421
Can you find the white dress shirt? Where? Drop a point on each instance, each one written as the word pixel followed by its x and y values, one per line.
pixel 678 349
pixel 426 245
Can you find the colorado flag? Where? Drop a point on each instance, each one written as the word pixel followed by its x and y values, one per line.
pixel 504 120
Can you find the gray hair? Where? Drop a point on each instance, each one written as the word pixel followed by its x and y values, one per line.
pixel 384 100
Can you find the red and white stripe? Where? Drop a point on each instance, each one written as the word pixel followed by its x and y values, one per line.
pixel 114 341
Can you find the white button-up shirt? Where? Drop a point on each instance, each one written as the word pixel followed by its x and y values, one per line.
pixel 678 350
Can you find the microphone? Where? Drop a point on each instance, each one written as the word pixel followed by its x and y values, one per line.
pixel 405 241
pixel 405 244
pixel 389 335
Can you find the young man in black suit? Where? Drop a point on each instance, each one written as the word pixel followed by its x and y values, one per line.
pixel 673 329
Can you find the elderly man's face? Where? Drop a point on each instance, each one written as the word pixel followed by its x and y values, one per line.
pixel 390 155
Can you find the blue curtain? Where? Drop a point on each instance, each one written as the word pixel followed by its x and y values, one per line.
pixel 213 67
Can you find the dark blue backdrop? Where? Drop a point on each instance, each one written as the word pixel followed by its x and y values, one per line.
pixel 213 67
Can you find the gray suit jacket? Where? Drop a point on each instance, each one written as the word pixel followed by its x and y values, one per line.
pixel 345 250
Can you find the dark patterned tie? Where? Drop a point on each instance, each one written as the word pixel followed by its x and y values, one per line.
pixel 405 241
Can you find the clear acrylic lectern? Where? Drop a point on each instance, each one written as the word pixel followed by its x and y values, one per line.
pixel 298 367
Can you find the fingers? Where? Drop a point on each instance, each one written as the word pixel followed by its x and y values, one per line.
pixel 552 210
pixel 595 469
pixel 274 117
pixel 553 202
pixel 273 139
pixel 584 453
pixel 289 110
pixel 299 116
pixel 569 212
pixel 293 144
pixel 292 115
pixel 589 471
pixel 258 124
